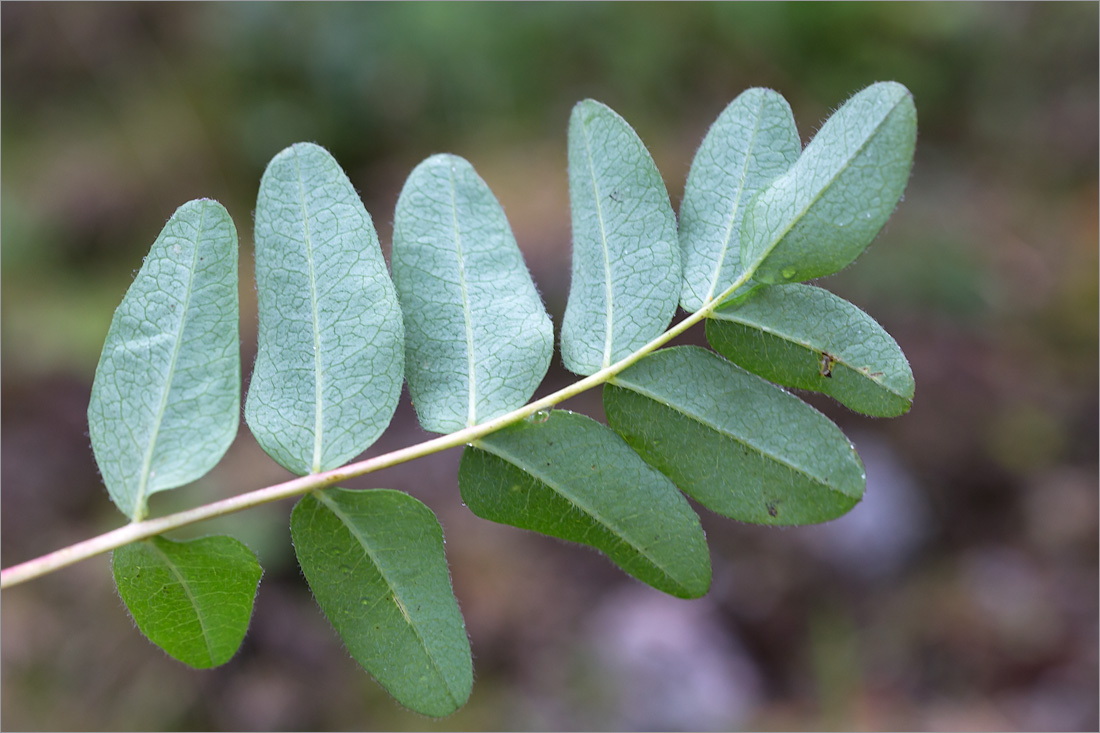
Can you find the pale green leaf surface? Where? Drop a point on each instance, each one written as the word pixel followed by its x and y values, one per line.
pixel 192 599
pixel 626 256
pixel 330 358
pixel 821 214
pixel 740 446
pixel 478 339
pixel 752 142
pixel 567 476
pixel 165 402
pixel 805 337
pixel 374 560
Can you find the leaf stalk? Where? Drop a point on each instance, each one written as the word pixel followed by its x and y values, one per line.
pixel 146 528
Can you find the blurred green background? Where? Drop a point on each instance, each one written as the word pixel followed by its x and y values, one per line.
pixel 961 594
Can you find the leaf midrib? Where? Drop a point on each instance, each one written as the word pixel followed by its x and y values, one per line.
pixel 595 516
pixel 471 364
pixel 318 377
pixel 838 358
pixel 608 291
pixel 736 203
pixel 147 462
pixel 334 507
pixel 824 188
pixel 190 596
pixel 662 400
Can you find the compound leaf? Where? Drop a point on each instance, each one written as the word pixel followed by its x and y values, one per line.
pixel 192 599
pixel 374 560
pixel 626 257
pixel 805 337
pixel 567 476
pixel 740 446
pixel 752 142
pixel 331 343
pixel 821 214
pixel 165 402
pixel 478 339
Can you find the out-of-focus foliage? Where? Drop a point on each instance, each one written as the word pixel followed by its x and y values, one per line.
pixel 961 593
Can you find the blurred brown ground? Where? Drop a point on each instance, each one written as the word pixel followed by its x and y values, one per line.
pixel 960 595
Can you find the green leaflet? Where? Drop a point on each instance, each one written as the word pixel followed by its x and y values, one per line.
pixel 567 476
pixel 740 446
pixel 165 402
pixel 821 214
pixel 192 599
pixel 374 560
pixel 626 257
pixel 805 337
pixel 752 142
pixel 478 339
pixel 331 343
